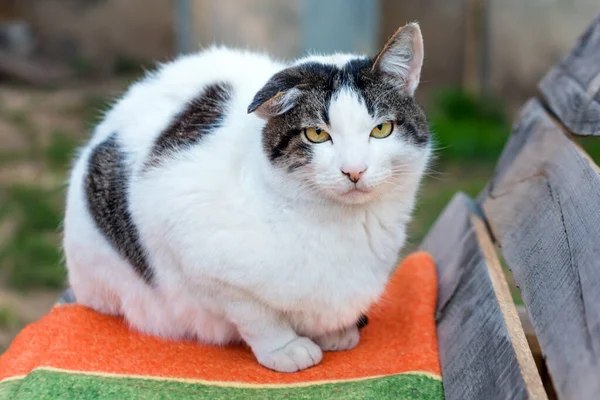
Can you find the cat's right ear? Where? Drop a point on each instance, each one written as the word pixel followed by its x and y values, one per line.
pixel 278 96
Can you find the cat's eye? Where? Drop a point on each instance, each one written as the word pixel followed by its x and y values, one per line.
pixel 382 130
pixel 316 135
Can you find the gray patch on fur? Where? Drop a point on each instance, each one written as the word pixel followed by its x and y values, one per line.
pixel 409 118
pixel 282 135
pixel 201 116
pixel 106 187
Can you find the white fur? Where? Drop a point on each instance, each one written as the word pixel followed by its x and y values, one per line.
pixel 239 249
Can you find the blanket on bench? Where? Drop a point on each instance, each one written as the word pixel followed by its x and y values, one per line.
pixel 76 353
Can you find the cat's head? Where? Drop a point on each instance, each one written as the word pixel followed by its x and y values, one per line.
pixel 347 127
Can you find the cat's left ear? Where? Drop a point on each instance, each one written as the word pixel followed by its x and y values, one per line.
pixel 402 57
pixel 278 95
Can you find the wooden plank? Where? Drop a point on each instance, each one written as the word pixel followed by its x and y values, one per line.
pixel 572 88
pixel 543 210
pixel 523 124
pixel 536 351
pixel 483 350
pixel 510 315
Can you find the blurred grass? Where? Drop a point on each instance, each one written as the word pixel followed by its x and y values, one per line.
pixel 92 108
pixel 60 150
pixel 8 319
pixel 592 146
pixel 467 129
pixel 30 254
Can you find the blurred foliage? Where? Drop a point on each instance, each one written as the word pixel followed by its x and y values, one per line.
pixel 92 109
pixel 592 146
pixel 131 67
pixel 82 66
pixel 31 256
pixel 20 120
pixel 469 129
pixel 8 318
pixel 60 151
pixel 466 128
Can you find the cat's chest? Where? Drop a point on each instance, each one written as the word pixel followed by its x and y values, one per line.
pixel 339 272
pixel 329 264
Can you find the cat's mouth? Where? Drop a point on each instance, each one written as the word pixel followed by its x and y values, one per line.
pixel 357 191
pixel 357 195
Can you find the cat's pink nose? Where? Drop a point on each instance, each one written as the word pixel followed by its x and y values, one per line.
pixel 353 174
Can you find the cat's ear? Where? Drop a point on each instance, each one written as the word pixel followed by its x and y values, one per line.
pixel 277 96
pixel 402 57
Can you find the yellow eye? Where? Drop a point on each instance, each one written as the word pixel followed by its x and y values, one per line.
pixel 382 130
pixel 316 135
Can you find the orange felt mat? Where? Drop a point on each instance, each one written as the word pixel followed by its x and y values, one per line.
pixel 400 339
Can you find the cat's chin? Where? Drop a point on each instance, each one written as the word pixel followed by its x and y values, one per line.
pixel 356 196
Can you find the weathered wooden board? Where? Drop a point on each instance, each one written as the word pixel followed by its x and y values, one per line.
pixel 523 124
pixel 544 210
pixel 483 350
pixel 536 351
pixel 572 88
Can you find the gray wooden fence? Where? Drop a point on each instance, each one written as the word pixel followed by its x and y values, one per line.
pixel 541 210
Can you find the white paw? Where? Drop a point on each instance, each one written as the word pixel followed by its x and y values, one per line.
pixel 299 354
pixel 340 340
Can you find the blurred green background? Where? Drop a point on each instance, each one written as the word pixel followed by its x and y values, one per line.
pixel 68 64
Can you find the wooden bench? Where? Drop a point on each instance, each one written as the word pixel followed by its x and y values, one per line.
pixel 541 212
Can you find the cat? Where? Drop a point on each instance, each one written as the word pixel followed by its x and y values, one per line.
pixel 227 197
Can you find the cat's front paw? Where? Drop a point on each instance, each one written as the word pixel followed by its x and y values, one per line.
pixel 299 354
pixel 340 340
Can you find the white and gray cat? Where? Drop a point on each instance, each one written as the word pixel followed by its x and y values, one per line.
pixel 228 197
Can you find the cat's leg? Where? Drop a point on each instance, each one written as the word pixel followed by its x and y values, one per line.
pixel 94 268
pixel 273 341
pixel 344 339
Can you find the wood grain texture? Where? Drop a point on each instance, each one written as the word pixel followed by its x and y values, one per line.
pixel 536 351
pixel 523 124
pixel 544 210
pixel 572 88
pixel 483 350
pixel 509 312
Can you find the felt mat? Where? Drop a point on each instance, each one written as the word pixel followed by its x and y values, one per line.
pixel 76 353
